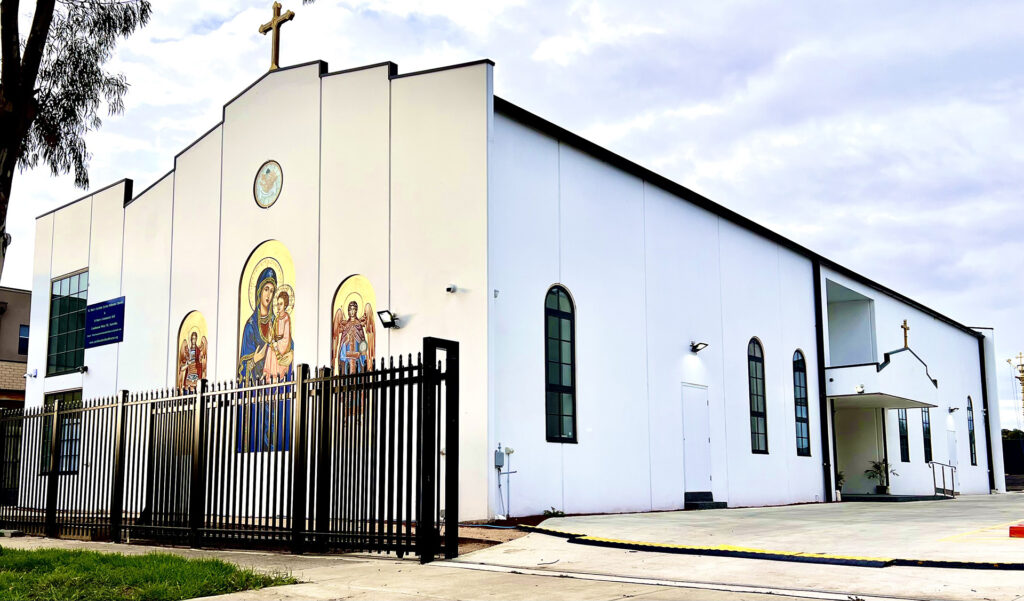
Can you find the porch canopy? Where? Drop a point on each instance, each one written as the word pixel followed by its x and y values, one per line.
pixel 876 401
pixel 900 381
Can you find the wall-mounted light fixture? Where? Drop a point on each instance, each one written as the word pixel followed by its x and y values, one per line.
pixel 954 409
pixel 388 319
pixel 696 347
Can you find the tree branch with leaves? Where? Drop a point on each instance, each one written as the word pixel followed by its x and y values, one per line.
pixel 54 85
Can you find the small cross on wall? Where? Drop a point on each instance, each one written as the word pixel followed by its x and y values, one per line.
pixel 906 330
pixel 274 25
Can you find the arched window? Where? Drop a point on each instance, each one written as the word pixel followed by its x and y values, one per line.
pixel 560 362
pixel 926 433
pixel 758 411
pixel 803 429
pixel 970 431
pixel 901 417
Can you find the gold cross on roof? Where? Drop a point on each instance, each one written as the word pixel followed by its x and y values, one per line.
pixel 275 26
pixel 906 330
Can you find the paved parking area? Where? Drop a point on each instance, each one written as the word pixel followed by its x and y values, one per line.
pixel 965 529
pixel 971 528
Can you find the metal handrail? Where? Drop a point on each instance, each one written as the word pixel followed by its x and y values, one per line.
pixel 952 477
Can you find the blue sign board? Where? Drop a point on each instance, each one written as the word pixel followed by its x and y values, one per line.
pixel 104 323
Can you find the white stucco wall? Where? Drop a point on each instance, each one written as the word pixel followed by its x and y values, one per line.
pixel 649 272
pixel 440 133
pixel 39 316
pixel 278 118
pixel 355 206
pixel 194 269
pixel 851 329
pixel 85 234
pixel 146 288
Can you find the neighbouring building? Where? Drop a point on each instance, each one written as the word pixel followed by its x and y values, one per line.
pixel 15 305
pixel 639 346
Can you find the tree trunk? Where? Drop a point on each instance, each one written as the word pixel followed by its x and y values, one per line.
pixel 8 161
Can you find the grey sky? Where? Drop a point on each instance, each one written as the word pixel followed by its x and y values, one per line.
pixel 883 135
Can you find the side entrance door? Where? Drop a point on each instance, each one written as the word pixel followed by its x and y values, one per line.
pixel 953 456
pixel 696 440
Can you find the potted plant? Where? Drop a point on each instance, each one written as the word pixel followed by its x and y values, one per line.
pixel 840 481
pixel 880 471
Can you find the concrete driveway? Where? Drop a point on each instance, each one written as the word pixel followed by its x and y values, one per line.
pixel 966 529
pixel 971 528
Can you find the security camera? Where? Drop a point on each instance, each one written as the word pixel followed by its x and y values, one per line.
pixel 451 289
pixel 30 374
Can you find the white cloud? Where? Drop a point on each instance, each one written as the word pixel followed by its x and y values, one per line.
pixel 596 29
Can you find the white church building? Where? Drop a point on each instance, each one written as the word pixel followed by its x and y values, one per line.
pixel 638 346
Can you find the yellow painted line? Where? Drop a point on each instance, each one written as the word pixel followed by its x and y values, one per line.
pixel 735 549
pixel 960 535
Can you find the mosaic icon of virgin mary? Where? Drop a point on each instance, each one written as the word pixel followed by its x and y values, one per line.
pixel 261 335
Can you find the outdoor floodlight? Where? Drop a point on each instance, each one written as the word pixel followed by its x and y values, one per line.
pixel 696 347
pixel 388 319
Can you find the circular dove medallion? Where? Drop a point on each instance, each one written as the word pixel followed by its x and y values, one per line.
pixel 267 186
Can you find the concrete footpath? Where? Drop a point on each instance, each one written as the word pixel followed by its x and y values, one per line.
pixel 360 577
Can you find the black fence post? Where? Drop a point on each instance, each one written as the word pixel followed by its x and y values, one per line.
pixel 197 488
pixel 323 459
pixel 451 445
pixel 52 476
pixel 300 398
pixel 117 485
pixel 426 539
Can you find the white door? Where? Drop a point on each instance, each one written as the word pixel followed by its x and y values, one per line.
pixel 951 446
pixel 953 455
pixel 696 439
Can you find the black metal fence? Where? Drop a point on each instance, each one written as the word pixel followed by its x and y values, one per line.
pixel 364 461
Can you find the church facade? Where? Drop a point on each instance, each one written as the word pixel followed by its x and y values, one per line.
pixel 637 345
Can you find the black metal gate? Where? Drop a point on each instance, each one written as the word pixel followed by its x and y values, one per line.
pixel 364 461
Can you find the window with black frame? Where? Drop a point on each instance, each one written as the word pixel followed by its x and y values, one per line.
pixel 803 428
pixel 70 425
pixel 926 431
pixel 66 347
pixel 758 410
pixel 970 431
pixel 23 339
pixel 904 436
pixel 560 365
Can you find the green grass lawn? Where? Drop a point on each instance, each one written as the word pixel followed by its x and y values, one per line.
pixel 56 574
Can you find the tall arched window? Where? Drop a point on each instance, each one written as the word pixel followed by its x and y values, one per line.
pixel 970 431
pixel 560 361
pixel 758 411
pixel 926 433
pixel 803 429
